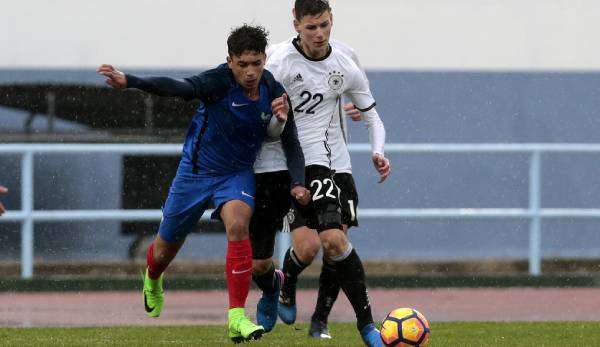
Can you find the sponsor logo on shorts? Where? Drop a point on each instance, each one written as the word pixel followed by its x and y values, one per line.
pixel 246 194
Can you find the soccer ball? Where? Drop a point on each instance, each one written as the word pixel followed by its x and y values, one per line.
pixel 404 327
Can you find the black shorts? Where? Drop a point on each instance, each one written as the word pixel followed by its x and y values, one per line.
pixel 348 198
pixel 272 203
pixel 324 211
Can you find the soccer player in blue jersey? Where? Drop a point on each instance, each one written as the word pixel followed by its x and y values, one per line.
pixel 238 100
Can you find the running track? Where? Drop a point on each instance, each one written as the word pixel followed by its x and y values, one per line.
pixel 208 307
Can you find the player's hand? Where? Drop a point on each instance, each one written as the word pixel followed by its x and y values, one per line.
pixel 114 77
pixel 2 190
pixel 301 194
pixel 281 107
pixel 382 165
pixel 352 112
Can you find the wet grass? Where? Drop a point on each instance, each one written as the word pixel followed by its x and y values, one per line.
pixel 538 334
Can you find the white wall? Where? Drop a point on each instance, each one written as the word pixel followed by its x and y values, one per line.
pixel 405 34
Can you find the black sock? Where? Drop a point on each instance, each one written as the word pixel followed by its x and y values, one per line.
pixel 329 288
pixel 292 267
pixel 351 276
pixel 266 281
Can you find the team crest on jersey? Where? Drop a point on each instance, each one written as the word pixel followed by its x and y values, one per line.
pixel 265 116
pixel 335 80
pixel 291 216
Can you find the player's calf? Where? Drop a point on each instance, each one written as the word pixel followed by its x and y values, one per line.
pixel 292 267
pixel 306 245
pixel 329 289
pixel 351 277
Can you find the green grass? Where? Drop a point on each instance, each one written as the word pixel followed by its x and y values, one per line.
pixel 457 334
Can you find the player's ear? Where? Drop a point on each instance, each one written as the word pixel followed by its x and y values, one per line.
pixel 296 22
pixel 229 61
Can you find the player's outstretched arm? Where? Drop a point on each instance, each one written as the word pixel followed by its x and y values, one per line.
pixel 2 191
pixel 114 77
pixel 162 86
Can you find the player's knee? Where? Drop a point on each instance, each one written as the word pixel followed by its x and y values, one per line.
pixel 306 250
pixel 334 242
pixel 260 266
pixel 237 229
pixel 163 252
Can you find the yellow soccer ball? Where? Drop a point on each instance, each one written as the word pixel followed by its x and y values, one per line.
pixel 405 327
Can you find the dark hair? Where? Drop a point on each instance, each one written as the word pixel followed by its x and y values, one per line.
pixel 310 8
pixel 247 38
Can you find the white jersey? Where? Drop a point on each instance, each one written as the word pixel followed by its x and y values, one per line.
pixel 340 159
pixel 315 88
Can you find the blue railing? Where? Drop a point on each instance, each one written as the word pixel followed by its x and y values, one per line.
pixel 28 216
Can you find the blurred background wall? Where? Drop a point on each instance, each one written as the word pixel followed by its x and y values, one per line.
pixel 441 71
pixel 388 34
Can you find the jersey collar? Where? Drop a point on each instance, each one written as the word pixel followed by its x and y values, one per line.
pixel 296 43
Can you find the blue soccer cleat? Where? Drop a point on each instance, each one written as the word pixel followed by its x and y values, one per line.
pixel 266 309
pixel 287 312
pixel 371 336
pixel 287 308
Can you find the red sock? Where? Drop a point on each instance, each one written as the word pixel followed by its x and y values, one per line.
pixel 154 269
pixel 238 267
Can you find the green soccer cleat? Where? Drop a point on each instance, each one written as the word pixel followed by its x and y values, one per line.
pixel 153 294
pixel 241 328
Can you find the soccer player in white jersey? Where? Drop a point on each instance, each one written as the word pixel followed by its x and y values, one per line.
pixel 316 74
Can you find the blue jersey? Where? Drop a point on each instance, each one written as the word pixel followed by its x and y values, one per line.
pixel 228 128
pixel 221 144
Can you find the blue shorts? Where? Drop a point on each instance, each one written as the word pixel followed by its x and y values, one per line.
pixel 190 196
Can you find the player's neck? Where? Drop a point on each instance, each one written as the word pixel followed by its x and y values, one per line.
pixel 252 94
pixel 314 54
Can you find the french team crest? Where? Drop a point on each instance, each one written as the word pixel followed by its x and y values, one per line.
pixel 335 80
pixel 265 116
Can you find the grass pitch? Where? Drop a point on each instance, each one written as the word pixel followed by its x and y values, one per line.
pixel 538 334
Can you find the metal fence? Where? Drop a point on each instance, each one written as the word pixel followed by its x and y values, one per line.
pixel 28 216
